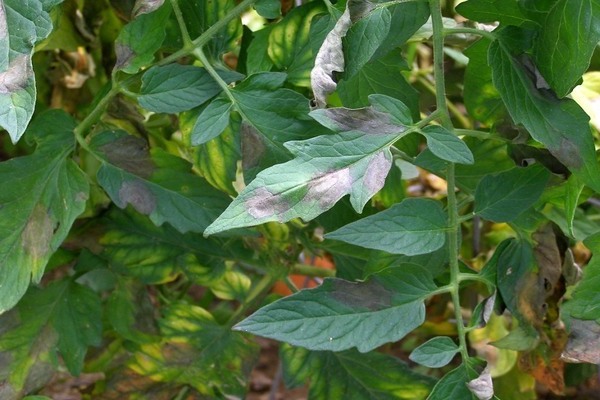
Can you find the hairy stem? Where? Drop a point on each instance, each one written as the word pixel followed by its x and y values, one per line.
pixel 472 31
pixel 453 218
pixel 187 40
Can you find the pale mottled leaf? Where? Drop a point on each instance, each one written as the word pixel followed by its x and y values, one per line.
pixel 339 315
pixel 325 169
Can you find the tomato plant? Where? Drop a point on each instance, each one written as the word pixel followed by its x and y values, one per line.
pixel 420 175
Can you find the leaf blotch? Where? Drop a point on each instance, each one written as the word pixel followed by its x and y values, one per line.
pixel 376 172
pixel 124 55
pixel 328 188
pixel 264 204
pixel 138 195
pixel 3 23
pixel 16 76
pixel 146 6
pixel 131 154
pixel 371 295
pixel 37 235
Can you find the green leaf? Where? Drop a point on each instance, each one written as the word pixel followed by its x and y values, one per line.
pixel 435 353
pixel 325 169
pixel 22 25
pixel 414 226
pixel 158 184
pixel 174 88
pixel 504 196
pixel 233 285
pixel 564 48
pixel 212 121
pixel 134 53
pixel 129 311
pixel 254 99
pixel 585 299
pixel 339 314
pixel 78 320
pixel 197 351
pixel 48 192
pixel 289 43
pixel 64 316
pixel 507 12
pixel 481 98
pixel 258 56
pixel 446 145
pixel 269 9
pixel 561 125
pixel 519 339
pixel 399 112
pixel 136 247
pixel 382 76
pixel 364 38
pixel 352 375
pixel 453 385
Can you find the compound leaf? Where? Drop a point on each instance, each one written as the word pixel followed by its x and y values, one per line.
pixel 447 146
pixel 339 315
pixel 48 191
pixel 414 226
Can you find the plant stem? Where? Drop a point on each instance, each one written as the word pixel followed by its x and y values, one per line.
pixel 207 35
pixel 199 54
pixel 309 270
pixel 257 291
pixel 473 31
pixel 94 116
pixel 453 222
pixel 187 40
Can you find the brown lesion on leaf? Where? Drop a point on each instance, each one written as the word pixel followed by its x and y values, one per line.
pixel 367 120
pixel 37 234
pixel 253 147
pixel 131 154
pixel 124 55
pixel 17 75
pixel 3 22
pixel 376 172
pixel 329 187
pixel 264 204
pixel 138 195
pixel 146 6
pixel 370 295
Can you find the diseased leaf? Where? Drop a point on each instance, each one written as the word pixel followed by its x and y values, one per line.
pixel 561 125
pixel 329 60
pixel 584 342
pixel 505 196
pixel 446 145
pixel 23 24
pixel 156 184
pixel 64 317
pixel 289 43
pixel 133 53
pixel 325 169
pixel 435 353
pixel 564 48
pixel 339 315
pixel 48 192
pixel 482 386
pixel 367 120
pixel 212 121
pixel 174 88
pixel 146 6
pixel 453 385
pixel 352 375
pixel 414 226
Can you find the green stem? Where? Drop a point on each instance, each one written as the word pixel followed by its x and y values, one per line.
pixel 185 35
pixel 207 35
pixel 473 31
pixel 456 112
pixel 453 218
pixel 255 293
pixel 199 54
pixel 291 285
pixel 394 2
pixel 94 116
pixel 472 277
pixel 312 271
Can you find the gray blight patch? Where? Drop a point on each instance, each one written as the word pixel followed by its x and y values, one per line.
pixel 376 172
pixel 264 204
pixel 16 76
pixel 138 195
pixel 146 6
pixel 327 189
